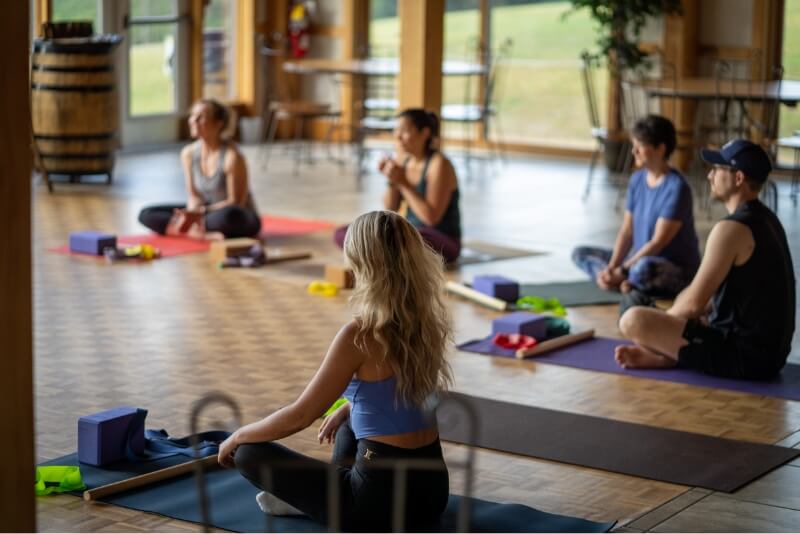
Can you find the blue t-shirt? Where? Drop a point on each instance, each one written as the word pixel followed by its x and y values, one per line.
pixel 671 199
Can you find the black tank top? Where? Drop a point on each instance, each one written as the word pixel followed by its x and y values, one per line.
pixel 450 223
pixel 756 301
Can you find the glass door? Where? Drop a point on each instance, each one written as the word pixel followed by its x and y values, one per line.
pixel 155 82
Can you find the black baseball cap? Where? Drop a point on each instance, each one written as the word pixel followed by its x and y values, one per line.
pixel 742 155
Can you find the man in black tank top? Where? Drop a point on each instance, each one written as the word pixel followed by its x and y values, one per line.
pixel 737 317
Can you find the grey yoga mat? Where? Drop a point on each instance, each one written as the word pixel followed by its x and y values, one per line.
pixel 580 293
pixel 631 449
pixel 232 501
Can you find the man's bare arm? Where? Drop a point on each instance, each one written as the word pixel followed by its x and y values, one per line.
pixel 726 243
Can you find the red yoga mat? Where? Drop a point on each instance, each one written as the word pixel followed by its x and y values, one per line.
pixel 275 226
pixel 168 245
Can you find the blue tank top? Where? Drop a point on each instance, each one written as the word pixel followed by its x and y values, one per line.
pixel 374 412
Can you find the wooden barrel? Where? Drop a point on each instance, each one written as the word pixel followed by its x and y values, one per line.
pixel 75 104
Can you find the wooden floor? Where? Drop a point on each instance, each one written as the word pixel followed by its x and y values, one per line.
pixel 160 335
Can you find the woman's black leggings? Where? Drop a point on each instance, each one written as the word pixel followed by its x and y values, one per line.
pixel 232 221
pixel 365 491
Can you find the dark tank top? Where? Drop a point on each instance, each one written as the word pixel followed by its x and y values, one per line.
pixel 450 223
pixel 756 301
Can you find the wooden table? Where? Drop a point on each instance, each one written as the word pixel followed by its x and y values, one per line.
pixel 375 67
pixel 709 89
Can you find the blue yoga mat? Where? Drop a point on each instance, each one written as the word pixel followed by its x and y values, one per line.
pixel 597 354
pixel 233 503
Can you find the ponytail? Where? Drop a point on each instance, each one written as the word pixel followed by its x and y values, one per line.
pixel 422 119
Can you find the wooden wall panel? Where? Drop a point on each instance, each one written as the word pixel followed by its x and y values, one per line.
pixel 17 507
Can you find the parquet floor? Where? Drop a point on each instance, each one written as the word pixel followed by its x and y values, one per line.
pixel 160 335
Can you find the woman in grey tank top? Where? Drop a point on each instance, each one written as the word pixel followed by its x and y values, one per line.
pixel 216 183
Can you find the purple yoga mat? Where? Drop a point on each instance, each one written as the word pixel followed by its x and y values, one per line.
pixel 598 355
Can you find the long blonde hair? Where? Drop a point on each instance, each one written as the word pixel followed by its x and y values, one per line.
pixel 398 300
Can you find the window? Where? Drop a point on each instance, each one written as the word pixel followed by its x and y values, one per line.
pixel 67 10
pixel 539 94
pixel 219 74
pixel 790 117
pixel 152 57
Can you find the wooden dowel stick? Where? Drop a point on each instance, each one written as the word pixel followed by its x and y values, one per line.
pixel 147 478
pixel 278 256
pixel 476 296
pixel 555 343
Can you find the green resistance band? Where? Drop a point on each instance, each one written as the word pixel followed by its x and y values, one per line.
pixel 58 479
pixel 540 304
pixel 336 406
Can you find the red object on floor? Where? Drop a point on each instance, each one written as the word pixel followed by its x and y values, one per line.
pixel 514 341
pixel 274 226
pixel 168 245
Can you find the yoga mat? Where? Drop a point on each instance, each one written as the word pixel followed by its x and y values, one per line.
pixel 275 226
pixel 579 293
pixel 598 355
pixel 168 245
pixel 643 451
pixel 480 252
pixel 233 503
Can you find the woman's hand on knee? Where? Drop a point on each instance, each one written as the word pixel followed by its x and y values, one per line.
pixel 332 423
pixel 226 451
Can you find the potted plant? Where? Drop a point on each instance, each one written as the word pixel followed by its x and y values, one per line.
pixel 620 23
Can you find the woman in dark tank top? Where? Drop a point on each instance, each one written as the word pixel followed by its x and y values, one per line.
pixel 422 184
pixel 220 201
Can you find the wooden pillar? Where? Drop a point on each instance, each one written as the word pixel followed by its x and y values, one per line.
pixel 485 44
pixel 17 506
pixel 767 45
pixel 422 43
pixel 245 54
pixel 197 10
pixel 355 45
pixel 43 11
pixel 681 50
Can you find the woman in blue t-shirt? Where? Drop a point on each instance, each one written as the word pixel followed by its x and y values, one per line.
pixel 656 251
pixel 388 362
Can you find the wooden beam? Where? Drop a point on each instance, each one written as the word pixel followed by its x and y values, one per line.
pixel 680 49
pixel 43 12
pixel 245 55
pixel 421 51
pixel 485 44
pixel 196 10
pixel 355 45
pixel 17 506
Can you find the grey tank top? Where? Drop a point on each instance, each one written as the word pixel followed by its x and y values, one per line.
pixel 214 188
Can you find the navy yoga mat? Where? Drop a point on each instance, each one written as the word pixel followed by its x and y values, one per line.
pixel 598 355
pixel 631 449
pixel 233 503
pixel 580 293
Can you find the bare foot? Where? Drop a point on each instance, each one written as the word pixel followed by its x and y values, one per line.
pixel 636 357
pixel 625 286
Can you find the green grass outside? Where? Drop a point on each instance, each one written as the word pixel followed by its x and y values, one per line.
pixel 539 94
pixel 152 91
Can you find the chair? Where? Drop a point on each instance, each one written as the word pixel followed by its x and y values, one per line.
pixel 755 119
pixel 792 143
pixel 589 67
pixel 481 113
pixel 278 107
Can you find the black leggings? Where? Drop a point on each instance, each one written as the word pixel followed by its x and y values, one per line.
pixel 365 492
pixel 232 221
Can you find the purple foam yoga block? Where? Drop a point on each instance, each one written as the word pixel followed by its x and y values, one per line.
pixel 91 242
pixel 529 324
pixel 497 286
pixel 103 437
